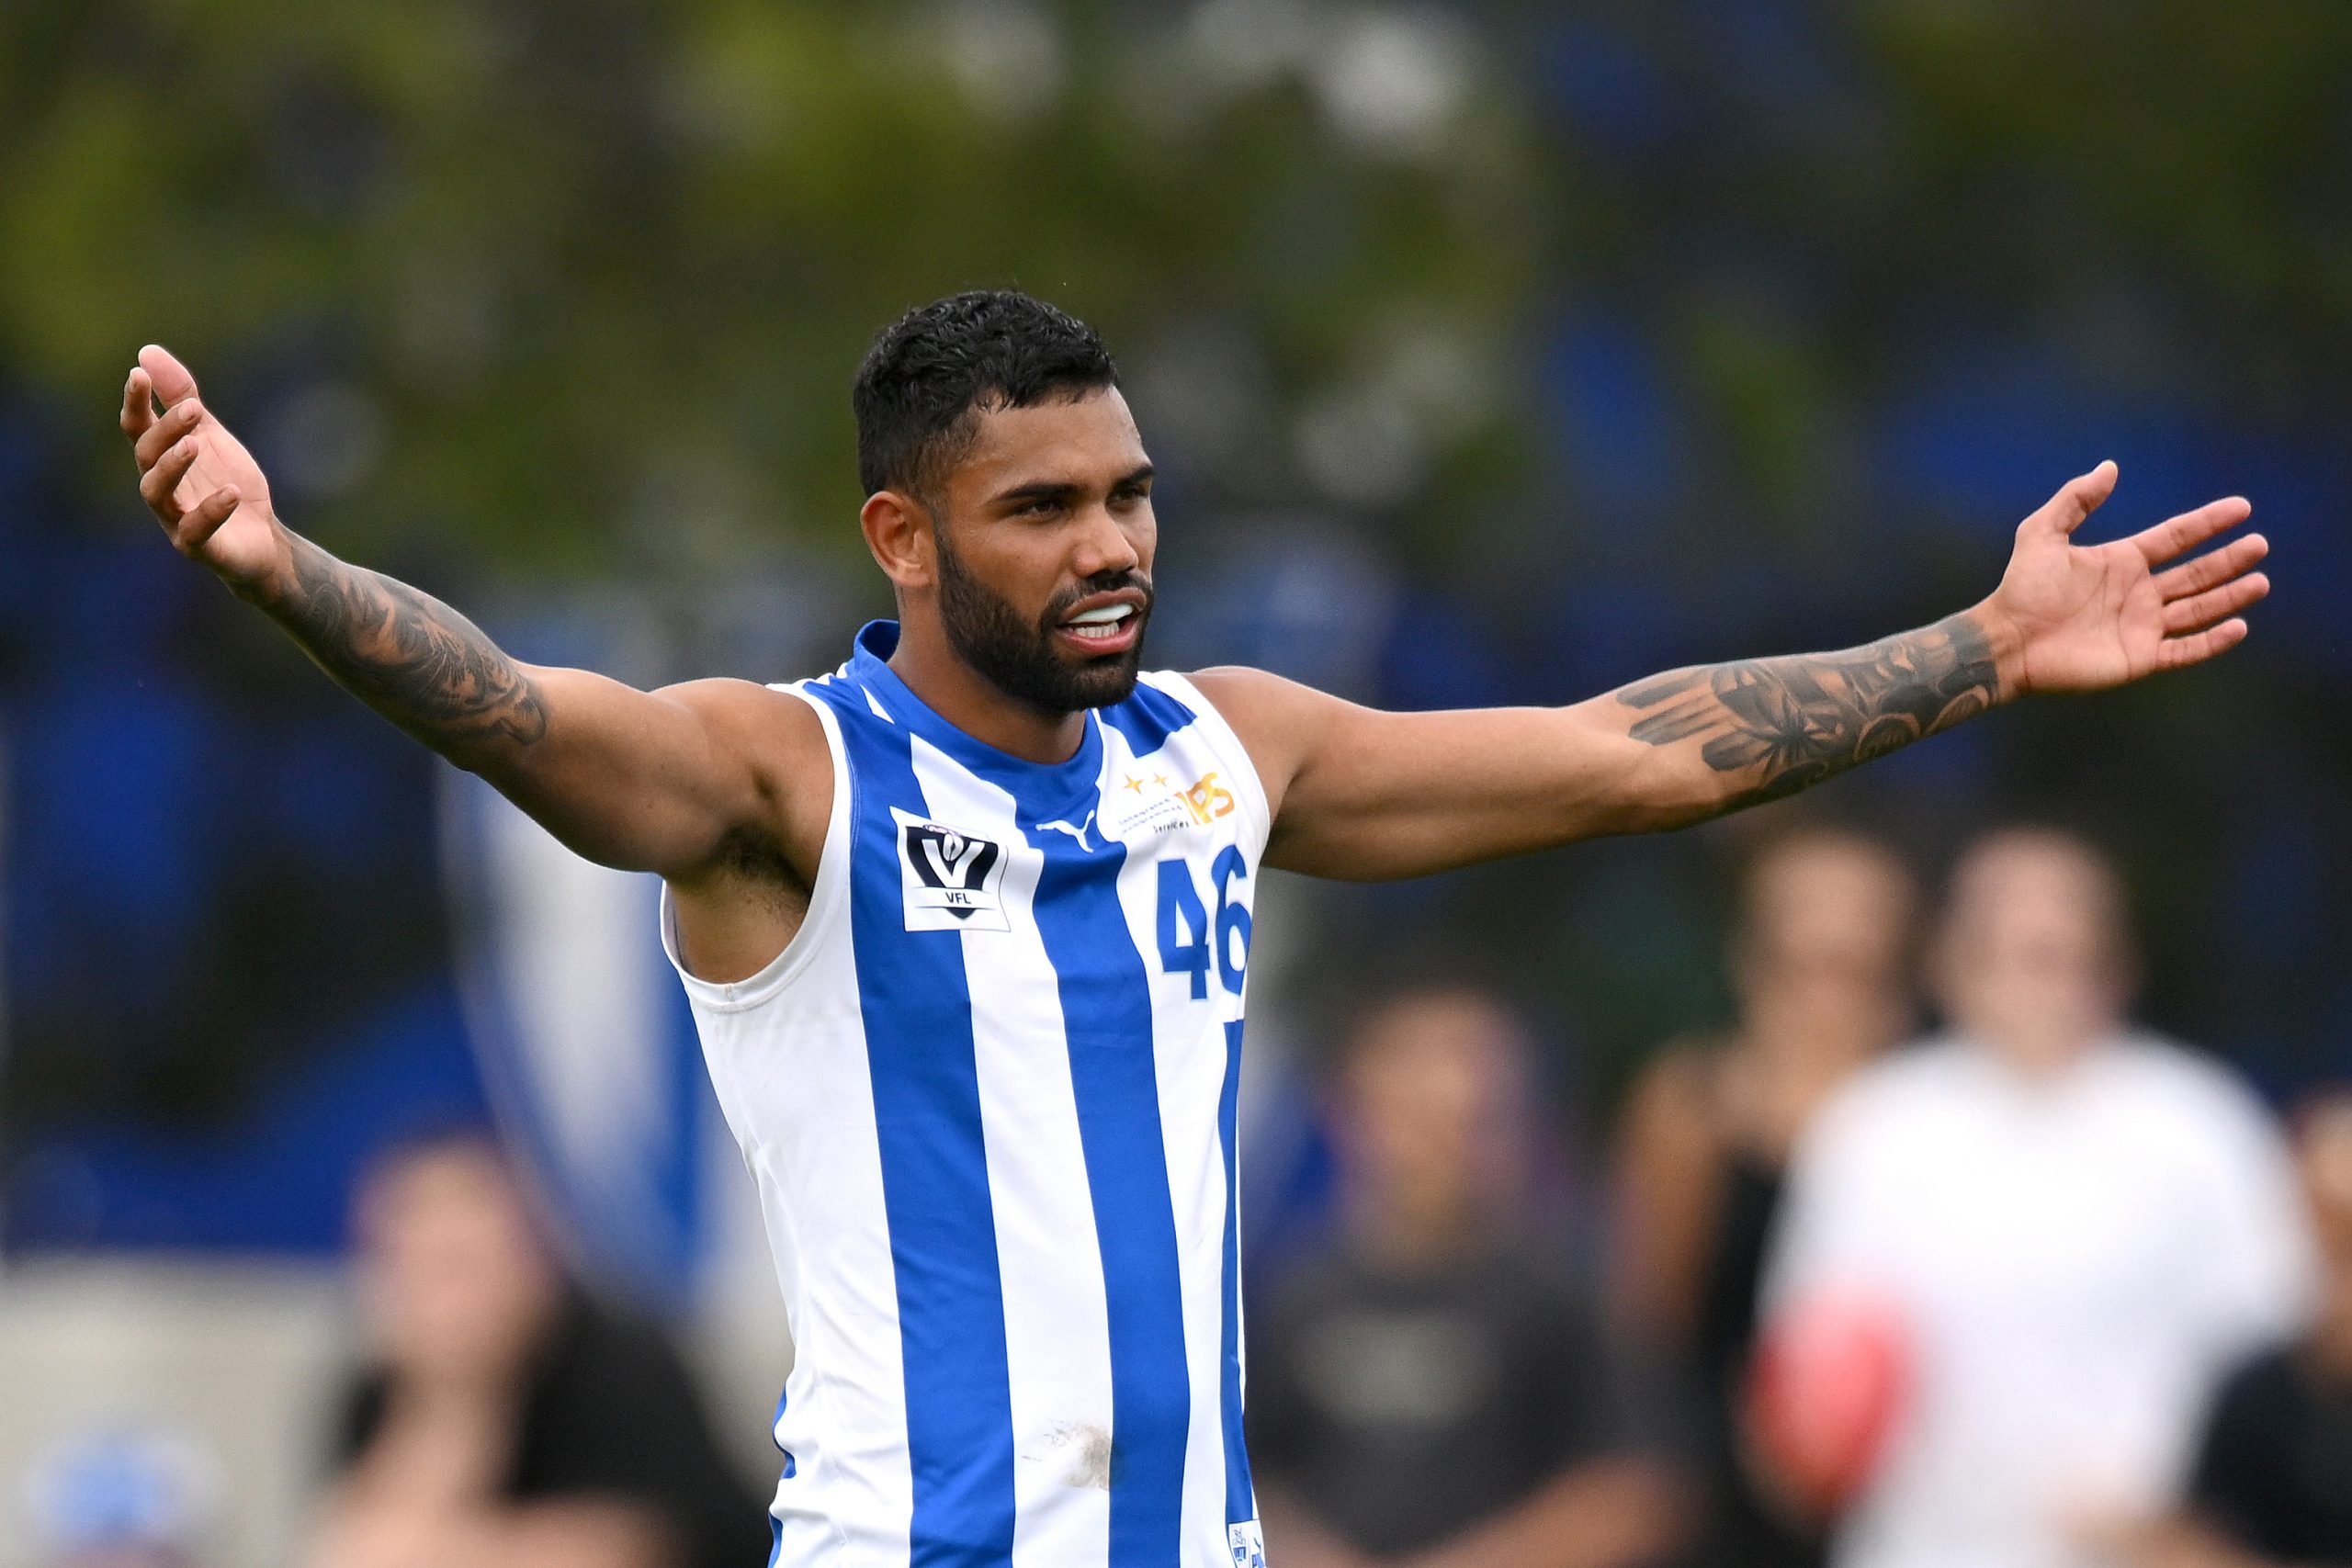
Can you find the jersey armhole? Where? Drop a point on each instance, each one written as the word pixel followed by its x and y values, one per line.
pixel 1228 744
pixel 826 899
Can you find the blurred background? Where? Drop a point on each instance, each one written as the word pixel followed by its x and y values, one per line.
pixel 1489 353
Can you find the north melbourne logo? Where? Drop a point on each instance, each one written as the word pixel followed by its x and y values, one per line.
pixel 952 880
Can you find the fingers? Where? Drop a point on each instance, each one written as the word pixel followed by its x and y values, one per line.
pixel 137 403
pixel 201 523
pixel 172 379
pixel 165 446
pixel 2204 609
pixel 2077 499
pixel 179 421
pixel 2203 597
pixel 160 482
pixel 2174 536
pixel 2212 570
pixel 2179 652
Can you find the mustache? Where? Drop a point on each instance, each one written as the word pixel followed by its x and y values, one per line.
pixel 1100 583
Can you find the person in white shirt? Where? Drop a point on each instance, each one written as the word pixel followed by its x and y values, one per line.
pixel 2073 1229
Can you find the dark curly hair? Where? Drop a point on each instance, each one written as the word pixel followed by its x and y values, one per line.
pixel 934 369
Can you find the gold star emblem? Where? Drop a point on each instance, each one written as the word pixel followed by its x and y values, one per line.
pixel 1159 779
pixel 1135 784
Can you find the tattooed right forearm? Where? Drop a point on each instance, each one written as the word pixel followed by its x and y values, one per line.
pixel 410 657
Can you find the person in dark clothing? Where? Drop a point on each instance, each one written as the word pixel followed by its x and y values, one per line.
pixel 2271 1483
pixel 2274 1476
pixel 508 1420
pixel 1821 965
pixel 1432 1389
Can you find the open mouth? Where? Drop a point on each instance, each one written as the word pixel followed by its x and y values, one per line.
pixel 1103 624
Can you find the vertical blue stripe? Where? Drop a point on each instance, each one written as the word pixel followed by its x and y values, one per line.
pixel 1106 1015
pixel 1240 1500
pixel 1147 717
pixel 917 1014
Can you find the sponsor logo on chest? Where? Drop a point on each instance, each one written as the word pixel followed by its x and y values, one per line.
pixel 1151 801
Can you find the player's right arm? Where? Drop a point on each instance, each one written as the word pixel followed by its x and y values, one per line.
pixel 666 781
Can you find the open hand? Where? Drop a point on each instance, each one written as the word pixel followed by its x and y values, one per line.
pixel 198 479
pixel 2081 617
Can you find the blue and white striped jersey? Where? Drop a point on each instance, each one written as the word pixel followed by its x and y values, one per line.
pixel 988 1095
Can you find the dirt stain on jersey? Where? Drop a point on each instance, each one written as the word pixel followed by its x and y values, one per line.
pixel 1084 1447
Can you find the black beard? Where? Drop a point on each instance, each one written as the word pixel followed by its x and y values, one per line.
pixel 1020 659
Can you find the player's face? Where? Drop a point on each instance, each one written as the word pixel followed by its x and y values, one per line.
pixel 1045 554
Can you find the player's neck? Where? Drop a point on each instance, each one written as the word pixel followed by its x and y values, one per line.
pixel 963 697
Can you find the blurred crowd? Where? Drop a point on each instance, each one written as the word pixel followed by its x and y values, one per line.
pixel 2028 1287
pixel 506 1420
pixel 1931 1259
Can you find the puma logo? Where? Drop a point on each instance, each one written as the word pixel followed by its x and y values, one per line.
pixel 1077 833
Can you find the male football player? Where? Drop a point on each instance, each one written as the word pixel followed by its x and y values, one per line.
pixel 966 922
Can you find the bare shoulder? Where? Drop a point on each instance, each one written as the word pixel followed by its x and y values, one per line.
pixel 1279 720
pixel 1238 689
pixel 756 721
pixel 780 741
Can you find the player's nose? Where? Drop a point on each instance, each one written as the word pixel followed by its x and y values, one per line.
pixel 1105 545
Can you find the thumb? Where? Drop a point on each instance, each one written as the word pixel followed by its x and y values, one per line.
pixel 2077 498
pixel 173 382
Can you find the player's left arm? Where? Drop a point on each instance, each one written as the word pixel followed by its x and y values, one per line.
pixel 1362 795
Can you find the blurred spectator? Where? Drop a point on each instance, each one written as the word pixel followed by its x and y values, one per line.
pixel 1433 1388
pixel 1820 963
pixel 2064 1231
pixel 508 1420
pixel 2272 1483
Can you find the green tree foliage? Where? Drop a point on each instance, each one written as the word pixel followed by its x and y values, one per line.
pixel 573 274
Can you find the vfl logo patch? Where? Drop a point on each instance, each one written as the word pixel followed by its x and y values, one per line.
pixel 952 880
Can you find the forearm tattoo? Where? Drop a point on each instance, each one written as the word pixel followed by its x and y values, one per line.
pixel 1803 719
pixel 408 656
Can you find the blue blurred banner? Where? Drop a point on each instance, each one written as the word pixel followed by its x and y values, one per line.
pixel 585 1045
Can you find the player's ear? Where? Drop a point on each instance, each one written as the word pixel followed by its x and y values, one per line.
pixel 898 531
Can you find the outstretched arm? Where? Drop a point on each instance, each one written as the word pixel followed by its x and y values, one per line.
pixel 662 781
pixel 1362 795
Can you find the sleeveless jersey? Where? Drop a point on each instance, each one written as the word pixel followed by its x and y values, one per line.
pixel 987 1093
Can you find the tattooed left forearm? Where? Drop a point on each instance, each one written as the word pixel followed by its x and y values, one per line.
pixel 1773 727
